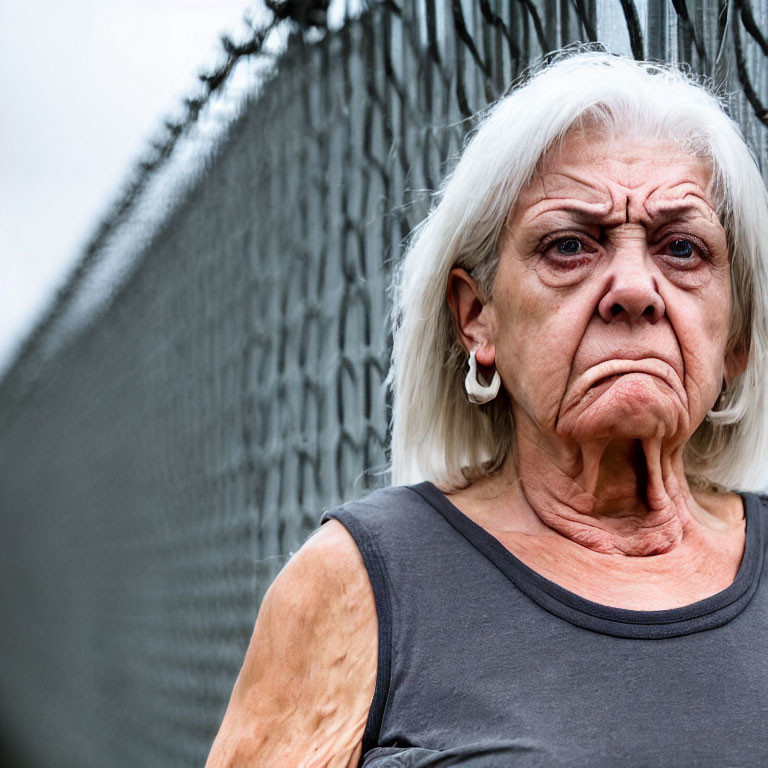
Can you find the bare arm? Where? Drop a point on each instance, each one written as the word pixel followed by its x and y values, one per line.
pixel 305 688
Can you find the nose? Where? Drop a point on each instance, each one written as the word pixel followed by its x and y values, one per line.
pixel 632 291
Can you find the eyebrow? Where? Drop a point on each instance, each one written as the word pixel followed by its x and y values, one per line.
pixel 585 213
pixel 669 211
pixel 594 214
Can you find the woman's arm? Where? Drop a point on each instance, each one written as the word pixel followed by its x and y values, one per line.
pixel 306 685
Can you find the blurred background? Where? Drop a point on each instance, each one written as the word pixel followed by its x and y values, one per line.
pixel 201 202
pixel 84 86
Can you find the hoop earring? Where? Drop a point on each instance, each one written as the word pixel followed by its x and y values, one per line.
pixel 478 393
pixel 722 413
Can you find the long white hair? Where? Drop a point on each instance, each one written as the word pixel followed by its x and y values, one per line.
pixel 437 434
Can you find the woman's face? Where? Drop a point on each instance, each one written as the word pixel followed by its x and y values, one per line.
pixel 611 305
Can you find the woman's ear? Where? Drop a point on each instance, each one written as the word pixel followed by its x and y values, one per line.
pixel 470 314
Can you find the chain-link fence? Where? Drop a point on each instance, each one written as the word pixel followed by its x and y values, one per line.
pixel 211 377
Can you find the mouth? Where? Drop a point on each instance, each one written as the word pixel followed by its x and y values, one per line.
pixel 599 378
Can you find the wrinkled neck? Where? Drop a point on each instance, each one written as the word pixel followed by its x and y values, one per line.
pixel 612 496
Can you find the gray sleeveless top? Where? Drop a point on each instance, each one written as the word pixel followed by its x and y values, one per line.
pixel 484 663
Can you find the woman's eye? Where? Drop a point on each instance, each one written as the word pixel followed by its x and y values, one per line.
pixel 570 246
pixel 564 252
pixel 681 249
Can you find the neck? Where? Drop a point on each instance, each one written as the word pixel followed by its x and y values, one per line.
pixel 623 496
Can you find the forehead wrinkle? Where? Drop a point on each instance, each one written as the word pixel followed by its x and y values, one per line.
pixel 693 200
pixel 689 208
pixel 549 197
pixel 598 187
pixel 629 174
pixel 579 175
pixel 584 213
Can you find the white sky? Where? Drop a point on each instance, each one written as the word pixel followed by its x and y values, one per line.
pixel 83 85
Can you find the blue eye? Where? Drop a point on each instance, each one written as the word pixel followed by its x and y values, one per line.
pixel 569 246
pixel 681 249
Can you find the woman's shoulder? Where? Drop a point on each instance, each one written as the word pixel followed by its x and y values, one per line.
pixel 307 681
pixel 385 505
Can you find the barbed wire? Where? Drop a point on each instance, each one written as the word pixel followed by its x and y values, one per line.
pixel 295 16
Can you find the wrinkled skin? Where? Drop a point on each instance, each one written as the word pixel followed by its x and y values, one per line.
pixel 302 696
pixel 608 323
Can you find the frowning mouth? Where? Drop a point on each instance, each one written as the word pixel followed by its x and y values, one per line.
pixel 600 377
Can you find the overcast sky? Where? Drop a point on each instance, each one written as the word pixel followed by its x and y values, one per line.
pixel 83 85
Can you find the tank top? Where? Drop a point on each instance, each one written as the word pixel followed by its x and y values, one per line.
pixel 485 663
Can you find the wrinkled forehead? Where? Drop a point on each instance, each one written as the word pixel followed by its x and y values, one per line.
pixel 618 172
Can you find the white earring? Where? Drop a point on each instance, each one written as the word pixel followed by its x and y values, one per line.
pixel 478 393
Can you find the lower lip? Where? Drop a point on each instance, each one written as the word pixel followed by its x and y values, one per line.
pixel 602 384
pixel 606 382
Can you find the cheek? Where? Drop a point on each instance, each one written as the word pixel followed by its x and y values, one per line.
pixel 703 336
pixel 536 339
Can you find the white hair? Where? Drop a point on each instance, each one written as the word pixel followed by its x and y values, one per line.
pixel 437 434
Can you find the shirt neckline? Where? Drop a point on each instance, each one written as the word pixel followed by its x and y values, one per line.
pixel 709 613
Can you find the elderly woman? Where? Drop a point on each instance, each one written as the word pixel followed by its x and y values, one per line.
pixel 560 577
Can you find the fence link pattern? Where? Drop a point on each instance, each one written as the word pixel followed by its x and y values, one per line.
pixel 164 450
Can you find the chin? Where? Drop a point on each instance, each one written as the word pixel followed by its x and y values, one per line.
pixel 627 411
